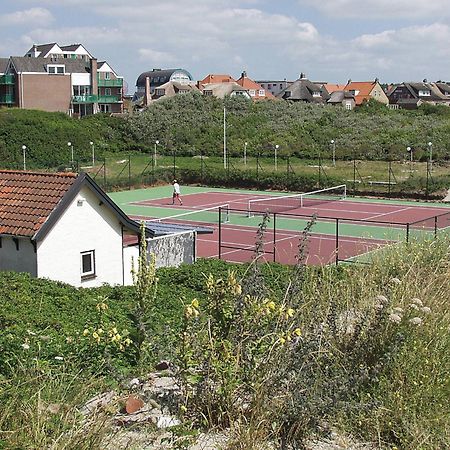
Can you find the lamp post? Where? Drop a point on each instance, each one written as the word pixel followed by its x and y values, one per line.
pixel 409 149
pixel 430 146
pixel 276 151
pixel 224 138
pixel 245 153
pixel 154 153
pixel 93 153
pixel 333 148
pixel 24 148
pixel 69 144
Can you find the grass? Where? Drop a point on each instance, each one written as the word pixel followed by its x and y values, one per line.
pixel 388 383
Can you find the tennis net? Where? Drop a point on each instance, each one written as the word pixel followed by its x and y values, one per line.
pixel 210 215
pixel 284 203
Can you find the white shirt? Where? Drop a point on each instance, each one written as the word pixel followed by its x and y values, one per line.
pixel 176 188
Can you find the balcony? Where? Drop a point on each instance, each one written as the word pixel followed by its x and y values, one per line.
pixel 110 83
pixel 109 99
pixel 8 99
pixel 84 98
pixel 7 79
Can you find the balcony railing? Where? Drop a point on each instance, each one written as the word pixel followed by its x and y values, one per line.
pixel 109 99
pixel 110 83
pixel 7 79
pixel 84 98
pixel 8 99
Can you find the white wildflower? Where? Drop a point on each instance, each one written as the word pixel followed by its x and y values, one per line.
pixel 25 346
pixel 414 306
pixel 396 281
pixel 381 299
pixel 59 358
pixel 416 321
pixel 417 301
pixel 426 310
pixel 398 310
pixel 395 318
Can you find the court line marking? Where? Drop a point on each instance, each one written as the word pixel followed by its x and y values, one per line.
pixel 391 212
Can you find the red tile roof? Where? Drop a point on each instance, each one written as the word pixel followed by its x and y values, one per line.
pixel 362 90
pixel 249 84
pixel 28 198
pixel 215 78
pixel 330 87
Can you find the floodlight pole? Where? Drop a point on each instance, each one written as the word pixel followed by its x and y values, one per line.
pixel 93 153
pixel 224 138
pixel 24 148
pixel 154 153
pixel 70 145
pixel 430 146
pixel 276 151
pixel 409 149
pixel 333 147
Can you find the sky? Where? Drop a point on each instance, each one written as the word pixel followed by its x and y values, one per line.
pixel 328 40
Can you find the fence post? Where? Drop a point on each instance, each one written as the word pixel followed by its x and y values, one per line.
pixel 257 166
pixel 274 236
pixel 435 226
pixel 104 173
pixel 129 172
pixel 354 172
pixel 389 179
pixel 407 232
pixel 337 241
pixel 220 232
pixel 320 171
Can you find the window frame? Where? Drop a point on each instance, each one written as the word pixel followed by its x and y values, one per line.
pixel 92 272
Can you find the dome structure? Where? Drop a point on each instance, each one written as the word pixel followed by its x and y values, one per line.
pixel 158 77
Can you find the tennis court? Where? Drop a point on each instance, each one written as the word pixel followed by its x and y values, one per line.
pixel 345 228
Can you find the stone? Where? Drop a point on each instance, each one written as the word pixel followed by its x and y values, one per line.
pixel 133 404
pixel 162 365
pixel 100 400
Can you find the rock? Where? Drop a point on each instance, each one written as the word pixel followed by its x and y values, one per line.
pixel 133 404
pixel 100 400
pixel 162 365
pixel 167 421
pixel 135 382
pixel 139 417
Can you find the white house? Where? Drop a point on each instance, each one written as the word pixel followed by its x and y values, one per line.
pixel 64 227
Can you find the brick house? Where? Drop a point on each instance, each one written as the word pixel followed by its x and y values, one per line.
pixel 255 90
pixel 65 79
pixel 365 90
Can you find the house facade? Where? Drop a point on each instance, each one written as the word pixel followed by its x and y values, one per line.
pixel 255 90
pixel 303 90
pixel 274 86
pixel 65 228
pixel 412 95
pixel 363 91
pixel 64 79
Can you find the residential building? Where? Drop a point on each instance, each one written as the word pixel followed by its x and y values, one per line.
pixel 64 227
pixel 411 95
pixel 329 88
pixel 216 78
pixel 172 88
pixel 66 79
pixel 222 90
pixel 255 90
pixel 303 90
pixel 443 88
pixel 365 90
pixel 274 86
pixel 342 98
pixel 156 78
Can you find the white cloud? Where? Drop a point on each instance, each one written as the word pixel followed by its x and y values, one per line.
pixel 33 16
pixel 155 57
pixel 381 9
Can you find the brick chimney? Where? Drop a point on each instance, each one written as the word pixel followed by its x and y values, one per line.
pixel 94 82
pixel 147 95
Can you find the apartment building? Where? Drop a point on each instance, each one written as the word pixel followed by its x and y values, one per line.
pixel 66 79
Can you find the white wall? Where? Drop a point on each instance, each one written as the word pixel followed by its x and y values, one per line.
pixel 84 226
pixel 22 260
pixel 81 79
pixel 130 254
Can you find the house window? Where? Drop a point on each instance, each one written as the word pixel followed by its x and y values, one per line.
pixel 262 92
pixel 88 264
pixel 54 69
pixel 424 93
pixel 160 92
pixel 107 75
pixel 108 91
pixel 252 92
pixel 207 93
pixel 348 106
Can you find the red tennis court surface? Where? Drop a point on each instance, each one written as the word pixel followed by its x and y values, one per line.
pixel 237 241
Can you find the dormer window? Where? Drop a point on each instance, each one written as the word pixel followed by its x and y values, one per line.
pixel 56 69
pixel 160 92
pixel 107 75
pixel 252 92
pixel 316 94
pixel 262 92
pixel 424 93
pixel 207 92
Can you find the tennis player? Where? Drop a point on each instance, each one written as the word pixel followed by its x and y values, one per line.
pixel 176 192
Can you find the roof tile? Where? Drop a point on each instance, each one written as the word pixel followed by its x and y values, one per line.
pixel 28 198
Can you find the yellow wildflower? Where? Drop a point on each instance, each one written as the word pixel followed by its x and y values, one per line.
pixel 297 332
pixel 195 303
